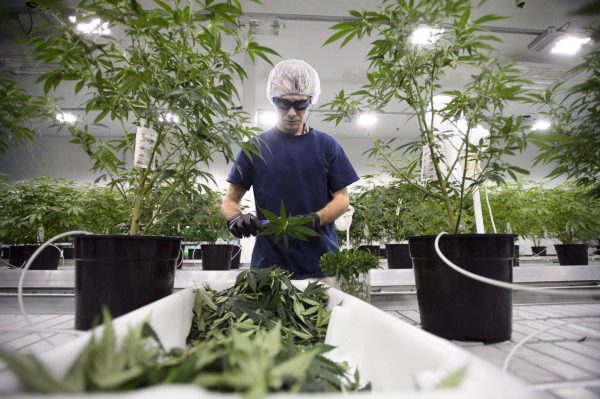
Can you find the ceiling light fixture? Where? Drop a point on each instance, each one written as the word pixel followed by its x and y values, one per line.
pixel 569 45
pixel 541 124
pixel 366 119
pixel 561 44
pixel 169 118
pixel 66 118
pixel 424 35
pixel 94 27
pixel 548 36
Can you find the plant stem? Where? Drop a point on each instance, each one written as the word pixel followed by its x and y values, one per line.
pixel 429 141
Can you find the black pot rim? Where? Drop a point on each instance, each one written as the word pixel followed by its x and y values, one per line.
pixel 126 236
pixel 569 245
pixel 467 235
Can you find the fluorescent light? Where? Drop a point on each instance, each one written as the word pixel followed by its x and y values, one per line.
pixel 94 27
pixel 569 45
pixel 425 35
pixel 73 18
pixel 541 124
pixel 66 118
pixel 169 118
pixel 267 118
pixel 544 39
pixel 366 119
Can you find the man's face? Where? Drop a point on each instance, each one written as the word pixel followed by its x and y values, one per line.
pixel 291 112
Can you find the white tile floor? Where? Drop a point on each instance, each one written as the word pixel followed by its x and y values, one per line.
pixel 563 362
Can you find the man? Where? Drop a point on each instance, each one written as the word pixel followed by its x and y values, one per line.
pixel 304 167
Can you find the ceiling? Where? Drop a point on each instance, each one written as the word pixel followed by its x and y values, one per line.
pixel 301 27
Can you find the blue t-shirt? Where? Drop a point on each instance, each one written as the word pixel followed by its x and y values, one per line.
pixel 303 171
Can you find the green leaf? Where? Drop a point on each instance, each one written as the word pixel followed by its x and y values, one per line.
pixel 453 379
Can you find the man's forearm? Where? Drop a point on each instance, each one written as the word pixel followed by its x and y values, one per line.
pixel 230 205
pixel 334 208
pixel 229 209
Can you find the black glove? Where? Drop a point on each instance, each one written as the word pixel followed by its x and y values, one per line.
pixel 244 225
pixel 315 221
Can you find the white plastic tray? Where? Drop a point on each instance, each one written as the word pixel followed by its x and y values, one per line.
pixel 388 352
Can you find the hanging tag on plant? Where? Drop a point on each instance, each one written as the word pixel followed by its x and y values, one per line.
pixel 40 234
pixel 145 139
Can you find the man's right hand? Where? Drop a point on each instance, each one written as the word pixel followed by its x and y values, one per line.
pixel 244 225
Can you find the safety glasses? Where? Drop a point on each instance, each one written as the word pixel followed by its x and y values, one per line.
pixel 299 105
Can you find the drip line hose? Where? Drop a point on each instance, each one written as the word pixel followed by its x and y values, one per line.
pixel 28 265
pixel 180 253
pixel 528 338
pixel 487 201
pixel 503 284
pixel 194 251
pixel 517 287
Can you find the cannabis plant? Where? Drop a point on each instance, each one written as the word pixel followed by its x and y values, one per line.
pixel 283 226
pixel 34 208
pixel 168 76
pixel 571 145
pixel 20 113
pixel 350 268
pixel 411 75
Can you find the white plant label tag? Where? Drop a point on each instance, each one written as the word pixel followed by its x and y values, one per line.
pixel 145 139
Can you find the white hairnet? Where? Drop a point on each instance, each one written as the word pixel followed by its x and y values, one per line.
pixel 294 77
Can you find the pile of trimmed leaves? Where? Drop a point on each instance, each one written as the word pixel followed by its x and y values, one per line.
pixel 263 298
pixel 241 341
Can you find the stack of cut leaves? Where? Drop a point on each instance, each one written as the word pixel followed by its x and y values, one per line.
pixel 262 298
pixel 249 355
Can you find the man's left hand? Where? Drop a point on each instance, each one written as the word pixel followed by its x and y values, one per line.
pixel 315 221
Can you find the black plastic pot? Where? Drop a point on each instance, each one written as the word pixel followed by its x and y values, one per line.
pixel 47 260
pixel 68 252
pixel 538 251
pixel 195 252
pixel 398 256
pixel 572 254
pixel 457 307
pixel 216 256
pixel 383 252
pixel 374 249
pixel 4 252
pixel 122 273
pixel 236 254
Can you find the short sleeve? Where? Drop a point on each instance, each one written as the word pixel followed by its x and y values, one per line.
pixel 341 172
pixel 241 172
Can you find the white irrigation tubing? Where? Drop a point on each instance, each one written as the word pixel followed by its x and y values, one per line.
pixel 194 250
pixel 526 339
pixel 28 265
pixel 503 284
pixel 8 264
pixel 180 253
pixel 487 201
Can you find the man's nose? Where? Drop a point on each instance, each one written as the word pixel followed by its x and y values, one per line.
pixel 291 112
